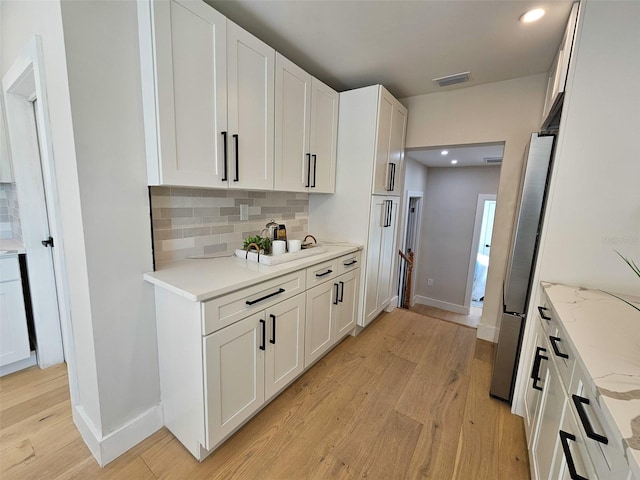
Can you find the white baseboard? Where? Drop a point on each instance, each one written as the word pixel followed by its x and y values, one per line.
pixel 109 447
pixel 393 303
pixel 30 361
pixel 450 307
pixel 486 332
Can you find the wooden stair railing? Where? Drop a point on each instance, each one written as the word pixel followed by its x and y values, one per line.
pixel 406 301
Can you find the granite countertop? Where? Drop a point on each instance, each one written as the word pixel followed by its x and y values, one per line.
pixel 606 335
pixel 206 278
pixel 9 245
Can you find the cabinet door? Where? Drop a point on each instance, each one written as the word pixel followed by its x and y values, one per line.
pixel 284 358
pixel 387 254
pixel 234 374
pixel 320 319
pixel 293 116
pixel 374 243
pixel 533 395
pixel 250 77
pixel 186 112
pixel 347 308
pixel 551 409
pixel 396 148
pixel 14 337
pixel 382 169
pixel 324 137
pixel 573 455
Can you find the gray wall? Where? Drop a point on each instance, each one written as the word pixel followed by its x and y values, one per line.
pixel 448 219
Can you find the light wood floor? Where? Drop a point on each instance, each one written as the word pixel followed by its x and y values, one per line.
pixel 471 320
pixel 406 399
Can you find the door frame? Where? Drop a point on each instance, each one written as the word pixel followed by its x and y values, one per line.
pixel 475 243
pixel 409 194
pixel 24 83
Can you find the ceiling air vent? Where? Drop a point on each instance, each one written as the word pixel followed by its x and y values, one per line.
pixel 453 79
pixel 492 160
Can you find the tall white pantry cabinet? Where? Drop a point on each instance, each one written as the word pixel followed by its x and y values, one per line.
pixel 364 209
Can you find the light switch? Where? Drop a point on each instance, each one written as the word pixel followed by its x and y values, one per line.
pixel 244 212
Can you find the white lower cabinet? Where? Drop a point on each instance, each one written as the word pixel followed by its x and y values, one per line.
pixel 331 314
pixel 223 359
pixel 249 362
pixel 14 336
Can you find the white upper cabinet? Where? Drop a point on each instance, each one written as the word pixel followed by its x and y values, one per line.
pixel 208 98
pixel 250 70
pixel 183 59
pixel 306 131
pixel 389 153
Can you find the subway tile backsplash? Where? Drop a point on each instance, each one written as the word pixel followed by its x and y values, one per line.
pixel 192 222
pixel 10 226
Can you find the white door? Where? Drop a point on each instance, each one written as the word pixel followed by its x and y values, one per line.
pixel 576 453
pixel 396 148
pixel 374 243
pixel 320 318
pixel 234 373
pixel 324 137
pixel 292 119
pixel 191 77
pixel 285 346
pixel 347 309
pixel 251 92
pixel 14 336
pixel 387 253
pixel 382 168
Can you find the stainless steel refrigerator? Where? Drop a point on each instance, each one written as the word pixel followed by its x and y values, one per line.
pixel 524 247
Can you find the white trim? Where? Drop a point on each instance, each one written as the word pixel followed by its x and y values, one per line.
pixel 393 304
pixel 450 307
pixel 30 361
pixel 487 332
pixel 109 447
pixel 24 82
pixel 475 243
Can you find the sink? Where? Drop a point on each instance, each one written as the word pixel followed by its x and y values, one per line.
pixel 284 258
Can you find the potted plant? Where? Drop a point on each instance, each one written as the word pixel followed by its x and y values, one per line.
pixel 263 244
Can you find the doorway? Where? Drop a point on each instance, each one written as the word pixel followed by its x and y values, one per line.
pixel 480 249
pixel 31 147
pixel 409 249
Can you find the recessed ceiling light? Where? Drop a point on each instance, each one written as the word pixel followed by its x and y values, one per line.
pixel 444 152
pixel 453 162
pixel 532 15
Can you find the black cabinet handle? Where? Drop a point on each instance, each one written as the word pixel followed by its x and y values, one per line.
pixel 273 329
pixel 389 187
pixel 579 401
pixel 541 311
pixel 335 302
pixel 224 159
pixel 323 274
pixel 554 345
pixel 264 334
pixel 341 291
pixel 48 242
pixel 352 262
pixel 251 302
pixel 308 170
pixel 564 440
pixel 535 371
pixel 314 156
pixel 393 177
pixel 237 177
pixel 387 216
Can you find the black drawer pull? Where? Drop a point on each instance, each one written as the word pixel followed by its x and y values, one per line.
pixel 541 311
pixel 579 401
pixel 352 262
pixel 315 161
pixel 341 291
pixel 335 302
pixel 535 371
pixel 264 334
pixel 225 162
pixel 237 177
pixel 273 329
pixel 554 345
pixel 251 302
pixel 323 274
pixel 308 170
pixel 564 440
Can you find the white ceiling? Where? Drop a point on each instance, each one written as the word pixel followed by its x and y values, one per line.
pixel 467 156
pixel 404 44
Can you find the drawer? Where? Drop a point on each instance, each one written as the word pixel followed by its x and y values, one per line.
pixel 322 272
pixel 545 313
pixel 349 262
pixel 563 355
pixel 225 310
pixel 606 454
pixel 9 268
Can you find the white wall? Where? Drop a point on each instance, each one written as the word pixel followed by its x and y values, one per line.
pixel 594 201
pixel 448 220
pixel 20 21
pixel 415 178
pixel 104 77
pixel 496 112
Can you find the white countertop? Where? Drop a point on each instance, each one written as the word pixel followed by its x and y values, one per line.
pixel 606 335
pixel 10 245
pixel 205 278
